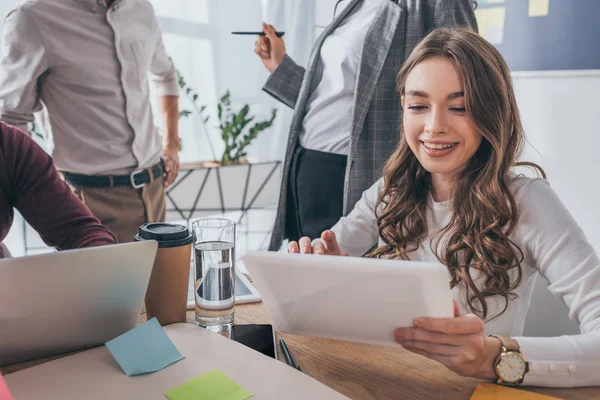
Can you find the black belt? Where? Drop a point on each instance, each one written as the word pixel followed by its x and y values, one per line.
pixel 136 179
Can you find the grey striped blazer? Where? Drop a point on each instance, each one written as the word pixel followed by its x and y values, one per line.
pixel 398 27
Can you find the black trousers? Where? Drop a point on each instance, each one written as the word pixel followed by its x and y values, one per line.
pixel 315 193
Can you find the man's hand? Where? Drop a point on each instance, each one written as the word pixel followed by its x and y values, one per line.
pixel 171 159
pixel 169 111
pixel 270 48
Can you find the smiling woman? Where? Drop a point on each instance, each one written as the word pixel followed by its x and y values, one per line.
pixel 435 122
pixel 449 194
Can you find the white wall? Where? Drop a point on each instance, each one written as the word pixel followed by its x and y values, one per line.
pixel 560 114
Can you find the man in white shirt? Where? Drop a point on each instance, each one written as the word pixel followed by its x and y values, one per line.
pixel 347 110
pixel 86 64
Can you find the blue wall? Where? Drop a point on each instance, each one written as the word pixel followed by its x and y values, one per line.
pixel 567 38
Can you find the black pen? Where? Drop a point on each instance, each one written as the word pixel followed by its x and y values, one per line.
pixel 287 355
pixel 259 33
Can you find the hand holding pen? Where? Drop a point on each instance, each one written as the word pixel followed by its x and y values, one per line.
pixel 270 48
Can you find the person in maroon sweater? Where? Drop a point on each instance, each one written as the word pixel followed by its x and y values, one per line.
pixel 30 183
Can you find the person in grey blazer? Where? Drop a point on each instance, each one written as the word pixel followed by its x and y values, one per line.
pixel 346 109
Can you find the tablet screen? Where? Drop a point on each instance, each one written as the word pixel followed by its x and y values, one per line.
pixel 240 289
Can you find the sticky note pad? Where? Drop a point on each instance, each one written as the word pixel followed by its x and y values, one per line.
pixel 4 393
pixel 146 348
pixel 213 385
pixel 539 8
pixel 491 391
pixel 491 23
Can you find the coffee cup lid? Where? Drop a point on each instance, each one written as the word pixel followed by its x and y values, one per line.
pixel 167 235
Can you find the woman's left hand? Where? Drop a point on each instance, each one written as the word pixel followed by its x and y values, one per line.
pixel 459 343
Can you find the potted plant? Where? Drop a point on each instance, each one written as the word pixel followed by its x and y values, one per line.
pixel 228 182
pixel 236 132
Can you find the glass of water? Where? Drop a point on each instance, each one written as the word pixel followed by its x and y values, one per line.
pixel 214 252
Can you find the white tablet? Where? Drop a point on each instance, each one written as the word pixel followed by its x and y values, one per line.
pixel 348 298
pixel 245 292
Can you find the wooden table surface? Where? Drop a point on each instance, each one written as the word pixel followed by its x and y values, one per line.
pixel 365 372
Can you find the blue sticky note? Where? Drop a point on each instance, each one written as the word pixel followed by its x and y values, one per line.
pixel 144 349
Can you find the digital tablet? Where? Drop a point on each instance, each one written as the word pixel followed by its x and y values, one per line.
pixel 245 292
pixel 348 298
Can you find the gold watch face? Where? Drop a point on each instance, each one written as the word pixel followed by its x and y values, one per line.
pixel 511 367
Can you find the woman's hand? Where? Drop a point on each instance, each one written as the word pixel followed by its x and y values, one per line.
pixel 459 343
pixel 270 48
pixel 328 246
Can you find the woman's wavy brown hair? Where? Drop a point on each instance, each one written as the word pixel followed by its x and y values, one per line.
pixel 477 238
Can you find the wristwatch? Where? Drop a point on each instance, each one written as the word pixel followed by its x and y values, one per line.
pixel 510 365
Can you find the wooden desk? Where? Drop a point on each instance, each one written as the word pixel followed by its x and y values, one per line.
pixel 366 372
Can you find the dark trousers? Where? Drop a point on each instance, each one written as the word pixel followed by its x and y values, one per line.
pixel 315 193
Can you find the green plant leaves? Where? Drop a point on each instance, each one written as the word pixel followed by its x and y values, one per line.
pixel 252 134
pixel 226 99
pixel 237 133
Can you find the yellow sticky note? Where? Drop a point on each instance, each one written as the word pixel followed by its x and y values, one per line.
pixel 491 391
pixel 491 23
pixel 481 17
pixel 539 8
pixel 213 385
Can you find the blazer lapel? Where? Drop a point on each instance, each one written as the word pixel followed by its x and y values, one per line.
pixel 374 53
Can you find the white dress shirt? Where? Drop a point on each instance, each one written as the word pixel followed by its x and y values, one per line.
pixel 327 124
pixel 88 65
pixel 553 246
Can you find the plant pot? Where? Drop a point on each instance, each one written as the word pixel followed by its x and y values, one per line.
pixel 216 164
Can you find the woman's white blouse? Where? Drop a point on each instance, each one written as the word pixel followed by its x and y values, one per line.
pixel 553 245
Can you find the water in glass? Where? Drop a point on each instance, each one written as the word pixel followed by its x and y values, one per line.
pixel 214 284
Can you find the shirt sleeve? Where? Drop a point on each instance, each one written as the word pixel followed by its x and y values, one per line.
pixel 357 233
pixel 22 63
pixel 454 13
pixel 562 254
pixel 162 70
pixel 45 200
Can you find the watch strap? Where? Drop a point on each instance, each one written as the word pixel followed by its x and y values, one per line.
pixel 508 343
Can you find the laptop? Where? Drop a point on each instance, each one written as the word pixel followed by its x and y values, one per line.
pixel 71 300
pixel 348 298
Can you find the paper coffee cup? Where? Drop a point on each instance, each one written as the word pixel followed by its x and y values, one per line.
pixel 166 296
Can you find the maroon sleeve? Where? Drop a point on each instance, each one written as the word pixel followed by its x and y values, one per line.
pixel 45 200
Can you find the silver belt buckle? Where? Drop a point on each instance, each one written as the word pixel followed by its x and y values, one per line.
pixel 132 179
